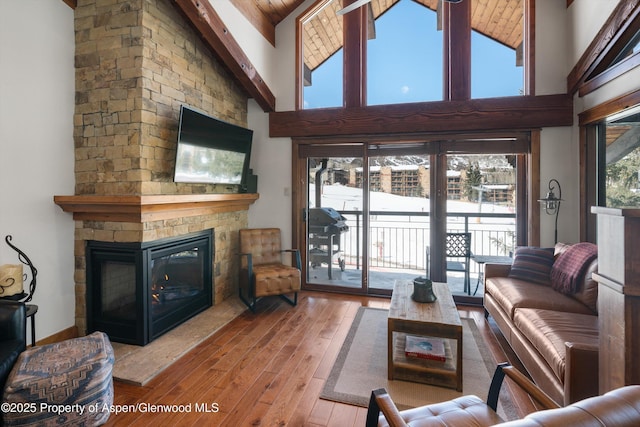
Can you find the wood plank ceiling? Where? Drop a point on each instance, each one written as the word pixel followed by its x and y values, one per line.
pixel 500 20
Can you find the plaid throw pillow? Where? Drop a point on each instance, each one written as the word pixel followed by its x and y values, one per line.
pixel 532 264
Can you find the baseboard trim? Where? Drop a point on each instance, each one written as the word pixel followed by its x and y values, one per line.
pixel 64 334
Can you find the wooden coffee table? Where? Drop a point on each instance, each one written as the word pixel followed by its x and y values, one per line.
pixel 437 319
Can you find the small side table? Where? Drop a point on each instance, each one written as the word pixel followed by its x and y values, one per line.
pixel 481 260
pixel 32 309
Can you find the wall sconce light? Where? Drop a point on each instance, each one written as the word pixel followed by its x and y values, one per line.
pixel 551 203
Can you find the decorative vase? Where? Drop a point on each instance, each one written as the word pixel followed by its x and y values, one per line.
pixel 423 290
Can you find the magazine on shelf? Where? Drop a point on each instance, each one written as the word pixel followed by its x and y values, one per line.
pixel 425 348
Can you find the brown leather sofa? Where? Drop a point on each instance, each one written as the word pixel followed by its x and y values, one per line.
pixel 555 335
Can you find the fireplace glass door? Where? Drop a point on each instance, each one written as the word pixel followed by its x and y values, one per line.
pixel 138 291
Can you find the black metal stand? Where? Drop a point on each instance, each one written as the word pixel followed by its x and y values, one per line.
pixel 551 203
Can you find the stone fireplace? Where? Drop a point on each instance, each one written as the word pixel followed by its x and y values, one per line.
pixel 136 62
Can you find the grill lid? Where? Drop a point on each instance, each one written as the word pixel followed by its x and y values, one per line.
pixel 325 216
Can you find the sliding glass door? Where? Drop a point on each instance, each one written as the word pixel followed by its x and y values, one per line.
pixel 481 190
pixel 399 220
pixel 374 213
pixel 334 223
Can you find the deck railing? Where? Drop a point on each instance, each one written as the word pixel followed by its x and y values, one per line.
pixel 399 239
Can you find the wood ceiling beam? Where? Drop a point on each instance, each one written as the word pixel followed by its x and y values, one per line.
pixel 257 18
pixel 216 35
pixel 506 113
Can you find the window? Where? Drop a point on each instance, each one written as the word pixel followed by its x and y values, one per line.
pixel 322 56
pixel 497 48
pixel 619 159
pixel 402 196
pixel 412 51
pixel 611 158
pixel 404 55
pixel 614 51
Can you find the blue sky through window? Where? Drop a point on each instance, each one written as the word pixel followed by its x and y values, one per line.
pixel 405 63
pixel 405 58
pixel 493 69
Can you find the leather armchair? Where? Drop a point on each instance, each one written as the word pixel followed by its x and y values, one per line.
pixel 617 408
pixel 263 271
pixel 13 338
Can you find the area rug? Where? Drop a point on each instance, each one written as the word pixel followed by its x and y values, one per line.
pixel 361 366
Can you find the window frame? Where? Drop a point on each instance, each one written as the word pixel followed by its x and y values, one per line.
pixel 456 51
pixel 590 122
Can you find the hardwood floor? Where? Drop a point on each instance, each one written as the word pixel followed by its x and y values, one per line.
pixel 267 369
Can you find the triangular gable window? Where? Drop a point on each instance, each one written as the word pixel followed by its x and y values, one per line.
pixel 354 53
pixel 613 52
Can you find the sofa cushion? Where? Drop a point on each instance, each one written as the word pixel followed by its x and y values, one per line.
pixel 466 410
pixel 532 264
pixel 511 294
pixel 588 291
pixel 548 331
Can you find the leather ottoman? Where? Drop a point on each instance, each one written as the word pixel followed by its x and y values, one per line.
pixel 66 383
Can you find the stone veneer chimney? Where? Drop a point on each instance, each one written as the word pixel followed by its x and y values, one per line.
pixel 136 62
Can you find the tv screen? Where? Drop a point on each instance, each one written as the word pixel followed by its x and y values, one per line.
pixel 210 150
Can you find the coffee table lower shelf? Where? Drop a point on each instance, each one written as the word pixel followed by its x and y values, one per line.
pixel 425 371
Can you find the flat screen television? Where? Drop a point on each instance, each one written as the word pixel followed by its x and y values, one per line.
pixel 211 151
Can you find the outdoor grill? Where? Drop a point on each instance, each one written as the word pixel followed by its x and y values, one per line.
pixel 325 227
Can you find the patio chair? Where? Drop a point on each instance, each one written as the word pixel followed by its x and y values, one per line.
pixel 458 246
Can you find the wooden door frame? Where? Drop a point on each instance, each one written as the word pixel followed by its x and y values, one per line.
pixel 528 170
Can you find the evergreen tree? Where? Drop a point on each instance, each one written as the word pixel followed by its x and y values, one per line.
pixel 473 179
pixel 622 181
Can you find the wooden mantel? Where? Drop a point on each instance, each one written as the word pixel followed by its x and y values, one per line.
pixel 141 209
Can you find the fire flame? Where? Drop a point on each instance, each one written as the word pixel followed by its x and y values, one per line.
pixel 157 289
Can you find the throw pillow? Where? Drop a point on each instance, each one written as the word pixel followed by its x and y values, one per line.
pixel 568 272
pixel 532 264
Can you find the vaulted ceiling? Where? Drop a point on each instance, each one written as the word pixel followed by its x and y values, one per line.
pixel 266 14
pixel 500 20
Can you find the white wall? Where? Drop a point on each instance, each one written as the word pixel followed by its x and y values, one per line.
pixel 271 161
pixel 271 157
pixel 558 156
pixel 586 17
pixel 36 150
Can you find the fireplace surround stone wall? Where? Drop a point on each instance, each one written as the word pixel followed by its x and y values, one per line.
pixel 136 62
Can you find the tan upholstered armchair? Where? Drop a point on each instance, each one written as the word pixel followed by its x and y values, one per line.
pixel 262 270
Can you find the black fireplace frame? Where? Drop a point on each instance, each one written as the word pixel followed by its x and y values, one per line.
pixel 144 329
